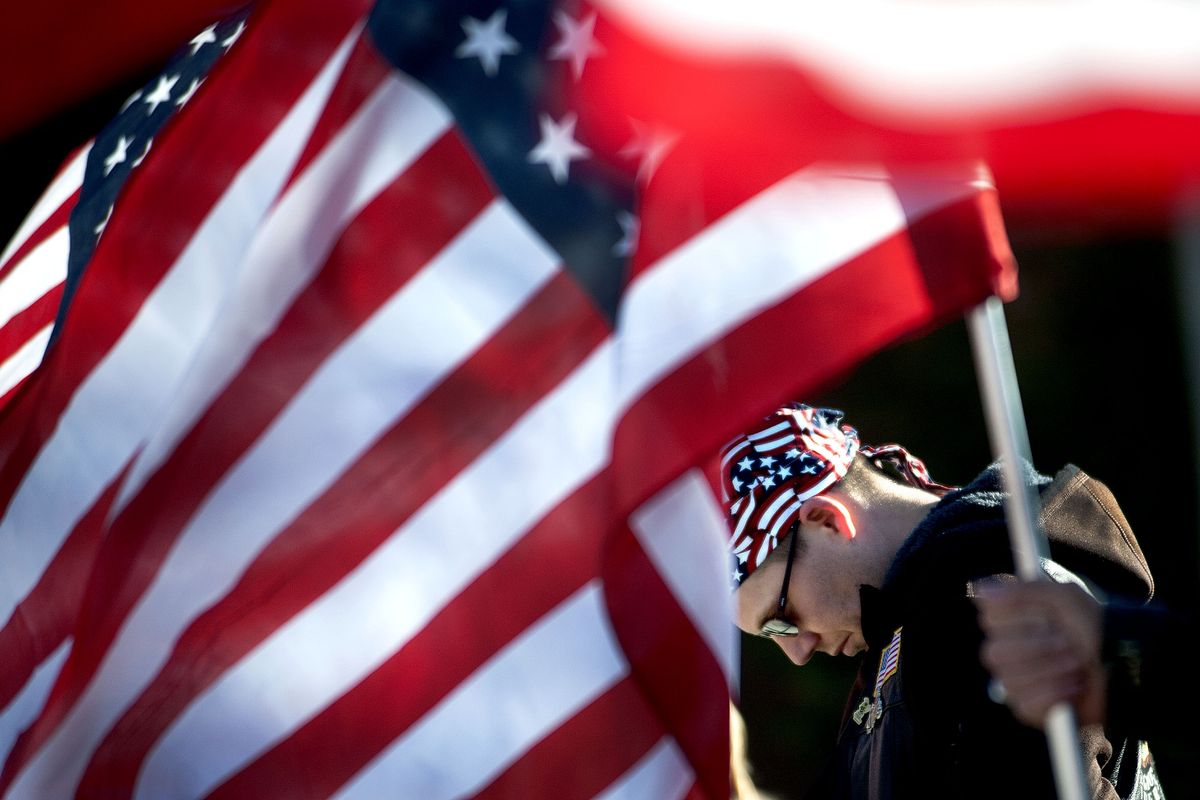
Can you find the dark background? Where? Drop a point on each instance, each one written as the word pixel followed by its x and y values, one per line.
pixel 1098 346
pixel 1097 342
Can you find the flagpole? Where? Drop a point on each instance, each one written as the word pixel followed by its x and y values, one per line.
pixel 1006 429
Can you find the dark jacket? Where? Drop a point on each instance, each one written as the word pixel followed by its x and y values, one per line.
pixel 920 723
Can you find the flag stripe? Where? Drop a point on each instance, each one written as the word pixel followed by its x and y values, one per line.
pixel 24 707
pixel 364 71
pixel 48 615
pixel 145 530
pixel 227 532
pixel 622 709
pixel 387 599
pixel 244 168
pixel 669 529
pixel 31 277
pixel 663 773
pixel 25 360
pixel 403 469
pixel 693 703
pixel 392 129
pixel 58 488
pixel 551 562
pixel 556 667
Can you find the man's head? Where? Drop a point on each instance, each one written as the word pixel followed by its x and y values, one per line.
pixel 801 490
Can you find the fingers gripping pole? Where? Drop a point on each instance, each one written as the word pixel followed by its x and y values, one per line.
pixel 1010 441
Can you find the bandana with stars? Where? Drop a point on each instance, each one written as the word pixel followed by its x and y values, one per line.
pixel 794 454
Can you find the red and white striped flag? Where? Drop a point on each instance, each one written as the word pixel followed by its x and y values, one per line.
pixel 340 480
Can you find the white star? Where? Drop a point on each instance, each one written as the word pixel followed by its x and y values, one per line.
pixel 629 234
pixel 233 37
pixel 737 484
pixel 161 93
pixel 784 473
pixel 99 229
pixel 810 469
pixel 576 42
pixel 769 481
pixel 737 574
pixel 117 155
pixel 743 556
pixel 206 36
pixel 649 146
pixel 768 462
pixel 745 464
pixel 487 41
pixel 137 162
pixel 793 453
pixel 558 147
pixel 189 91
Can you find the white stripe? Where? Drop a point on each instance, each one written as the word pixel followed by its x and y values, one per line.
pixel 441 317
pixel 25 707
pixel 757 255
pixel 531 687
pixel 40 271
pixel 561 442
pixel 57 193
pixel 777 528
pixel 683 532
pixel 394 126
pixel 745 518
pixel 783 497
pixel 662 774
pixel 111 413
pixel 20 364
pixel 766 447
pixel 771 431
pixel 918 62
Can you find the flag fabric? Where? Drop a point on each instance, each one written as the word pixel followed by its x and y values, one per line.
pixel 354 469
pixel 33 268
pixel 1083 114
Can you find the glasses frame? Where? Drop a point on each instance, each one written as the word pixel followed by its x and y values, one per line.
pixel 777 627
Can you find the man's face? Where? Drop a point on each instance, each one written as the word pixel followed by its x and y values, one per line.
pixel 823 599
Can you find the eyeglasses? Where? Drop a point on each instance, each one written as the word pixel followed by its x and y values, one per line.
pixel 777 626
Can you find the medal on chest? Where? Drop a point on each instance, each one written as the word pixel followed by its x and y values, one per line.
pixel 871 708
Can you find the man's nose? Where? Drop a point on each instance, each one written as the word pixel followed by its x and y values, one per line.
pixel 799 648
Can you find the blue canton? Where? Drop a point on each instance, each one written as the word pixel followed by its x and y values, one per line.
pixel 501 69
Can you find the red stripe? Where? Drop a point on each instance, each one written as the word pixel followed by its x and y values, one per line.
pixel 440 436
pixel 365 70
pixel 154 220
pixel 342 296
pixel 25 325
pixel 767 360
pixel 58 219
pixel 544 568
pixel 671 662
pixel 588 753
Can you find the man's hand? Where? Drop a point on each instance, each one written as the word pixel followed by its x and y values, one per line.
pixel 1043 646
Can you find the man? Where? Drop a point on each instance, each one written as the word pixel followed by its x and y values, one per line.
pixel 846 549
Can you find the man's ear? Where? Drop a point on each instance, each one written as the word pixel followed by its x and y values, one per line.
pixel 830 513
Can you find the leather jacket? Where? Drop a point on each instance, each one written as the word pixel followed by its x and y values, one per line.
pixel 920 723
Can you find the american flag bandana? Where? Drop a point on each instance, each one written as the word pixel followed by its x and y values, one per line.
pixel 794 454
pixel 767 474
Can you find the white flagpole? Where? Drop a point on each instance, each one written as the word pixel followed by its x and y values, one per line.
pixel 1006 429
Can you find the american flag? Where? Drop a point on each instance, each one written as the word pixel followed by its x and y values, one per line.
pixel 358 469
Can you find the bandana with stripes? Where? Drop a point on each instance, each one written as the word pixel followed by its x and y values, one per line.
pixel 794 454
